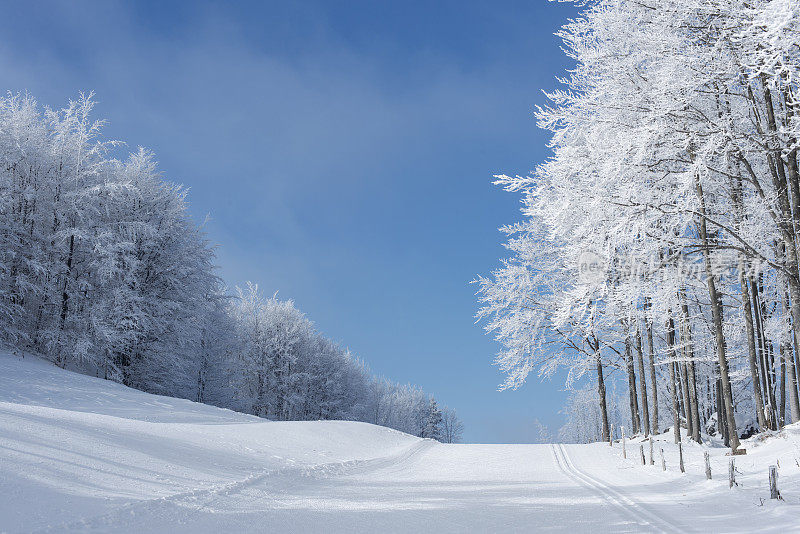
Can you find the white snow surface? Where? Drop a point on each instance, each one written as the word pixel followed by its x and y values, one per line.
pixel 80 454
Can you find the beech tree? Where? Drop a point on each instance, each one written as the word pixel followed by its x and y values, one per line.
pixel 674 168
pixel 452 427
pixel 103 271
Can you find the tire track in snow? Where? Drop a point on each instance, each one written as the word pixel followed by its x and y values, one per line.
pixel 642 516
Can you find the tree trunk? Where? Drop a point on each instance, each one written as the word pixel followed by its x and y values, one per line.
pixel 634 405
pixel 782 387
pixel 788 231
pixel 769 351
pixel 687 409
pixel 770 408
pixel 672 379
pixel 695 404
pixel 61 358
pixel 722 422
pixel 792 174
pixel 642 383
pixel 716 313
pixel 796 359
pixel 686 333
pixel 652 363
pixel 794 402
pixel 751 346
pixel 747 312
pixel 601 391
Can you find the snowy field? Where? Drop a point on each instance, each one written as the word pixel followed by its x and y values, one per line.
pixel 82 454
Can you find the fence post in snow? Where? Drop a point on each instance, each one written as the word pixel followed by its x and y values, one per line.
pixel 680 457
pixel 708 465
pixel 652 460
pixel 663 463
pixel 731 473
pixel 773 483
pixel 611 437
pixel 641 451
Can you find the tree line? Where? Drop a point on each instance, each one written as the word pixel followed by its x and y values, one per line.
pixel 659 243
pixel 102 270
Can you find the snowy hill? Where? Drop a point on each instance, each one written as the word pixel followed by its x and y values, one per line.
pixel 79 454
pixel 73 446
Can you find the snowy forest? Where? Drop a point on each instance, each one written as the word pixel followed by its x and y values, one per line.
pixel 102 270
pixel 657 256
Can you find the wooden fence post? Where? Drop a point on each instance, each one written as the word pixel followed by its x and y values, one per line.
pixel 663 463
pixel 731 473
pixel 680 457
pixel 708 465
pixel 611 436
pixel 773 483
pixel 652 460
pixel 641 451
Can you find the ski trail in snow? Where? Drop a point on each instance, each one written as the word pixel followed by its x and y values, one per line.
pixel 315 472
pixel 643 517
pixel 202 499
pixel 79 454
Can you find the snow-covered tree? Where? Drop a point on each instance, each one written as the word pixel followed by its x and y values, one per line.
pixel 452 427
pixel 674 168
pixel 433 422
pixel 103 270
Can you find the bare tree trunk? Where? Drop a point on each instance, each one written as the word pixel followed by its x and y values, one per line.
pixel 770 407
pixel 688 343
pixel 794 402
pixel 751 346
pixel 672 379
pixel 696 403
pixel 747 312
pixel 782 405
pixel 769 351
pixel 710 398
pixel 794 186
pixel 716 313
pixel 653 379
pixel 634 405
pixel 792 174
pixel 722 421
pixel 642 383
pixel 687 410
pixel 601 390
pixel 678 386
pixel 794 356
pixel 788 230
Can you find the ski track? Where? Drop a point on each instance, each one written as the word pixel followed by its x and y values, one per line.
pixel 644 517
pixel 191 500
pixel 82 455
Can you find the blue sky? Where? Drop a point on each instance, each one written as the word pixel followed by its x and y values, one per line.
pixel 343 150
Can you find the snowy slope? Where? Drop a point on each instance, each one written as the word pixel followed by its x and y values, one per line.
pixel 73 446
pixel 79 454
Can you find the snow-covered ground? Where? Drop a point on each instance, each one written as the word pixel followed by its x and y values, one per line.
pixel 83 454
